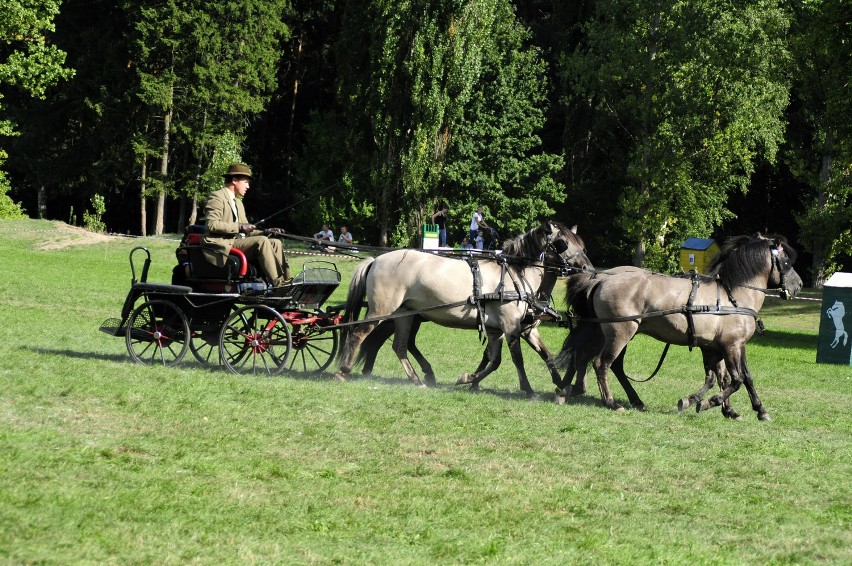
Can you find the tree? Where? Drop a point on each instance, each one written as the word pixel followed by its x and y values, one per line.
pixel 420 83
pixel 684 96
pixel 30 63
pixel 820 148
pixel 204 70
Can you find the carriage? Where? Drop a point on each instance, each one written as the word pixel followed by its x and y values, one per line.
pixel 227 316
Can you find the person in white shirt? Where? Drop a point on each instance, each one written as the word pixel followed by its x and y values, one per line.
pixel 345 235
pixel 325 235
pixel 475 222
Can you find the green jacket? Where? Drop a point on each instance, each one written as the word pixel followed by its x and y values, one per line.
pixel 222 229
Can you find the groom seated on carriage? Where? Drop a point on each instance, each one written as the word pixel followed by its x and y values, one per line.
pixel 227 227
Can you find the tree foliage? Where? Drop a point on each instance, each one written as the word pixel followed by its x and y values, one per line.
pixel 29 63
pixel 691 109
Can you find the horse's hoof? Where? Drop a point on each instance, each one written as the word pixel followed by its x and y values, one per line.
pixel 683 404
pixel 429 380
pixel 576 392
pixel 463 379
pixel 560 399
pixel 617 408
pixel 764 417
pixel 639 406
pixel 340 377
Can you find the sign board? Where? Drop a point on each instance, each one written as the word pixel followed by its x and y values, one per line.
pixel 430 237
pixel 835 321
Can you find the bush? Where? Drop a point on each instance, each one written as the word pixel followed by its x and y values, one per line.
pixel 92 220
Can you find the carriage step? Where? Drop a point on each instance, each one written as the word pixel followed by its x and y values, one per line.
pixel 113 327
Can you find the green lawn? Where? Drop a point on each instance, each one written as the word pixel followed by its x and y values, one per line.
pixel 102 460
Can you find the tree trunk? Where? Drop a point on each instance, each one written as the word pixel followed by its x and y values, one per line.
pixel 143 210
pixel 164 170
pixel 193 215
pixel 291 125
pixel 650 84
pixel 181 215
pixel 817 266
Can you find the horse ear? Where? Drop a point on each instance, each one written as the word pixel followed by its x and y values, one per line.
pixel 574 229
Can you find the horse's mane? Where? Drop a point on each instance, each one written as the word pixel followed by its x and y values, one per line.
pixel 530 245
pixel 744 257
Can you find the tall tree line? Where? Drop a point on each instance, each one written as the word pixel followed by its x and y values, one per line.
pixel 644 121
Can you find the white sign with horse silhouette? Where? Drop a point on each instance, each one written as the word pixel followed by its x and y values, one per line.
pixel 834 345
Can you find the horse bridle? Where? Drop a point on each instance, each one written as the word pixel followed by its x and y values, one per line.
pixel 783 292
pixel 559 247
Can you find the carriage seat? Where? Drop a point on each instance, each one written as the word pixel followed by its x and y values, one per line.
pixel 193 266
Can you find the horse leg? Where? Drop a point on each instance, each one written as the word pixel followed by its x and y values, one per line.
pixel 373 343
pixel 617 368
pixel 425 366
pixel 733 360
pixel 712 363
pixel 494 352
pixel 533 338
pixel 350 349
pixel 518 360
pixel 762 413
pixel 722 379
pixel 400 347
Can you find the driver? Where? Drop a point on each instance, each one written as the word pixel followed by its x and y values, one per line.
pixel 228 228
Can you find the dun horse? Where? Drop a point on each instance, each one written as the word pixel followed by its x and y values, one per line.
pixel 495 293
pixel 718 314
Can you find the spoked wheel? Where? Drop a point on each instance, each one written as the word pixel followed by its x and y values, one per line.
pixel 313 348
pixel 255 339
pixel 157 334
pixel 205 347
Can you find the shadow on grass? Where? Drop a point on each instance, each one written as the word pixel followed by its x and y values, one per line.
pixel 785 339
pixel 79 355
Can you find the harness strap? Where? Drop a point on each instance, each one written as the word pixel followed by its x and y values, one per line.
pixel 690 324
pixel 694 309
pixel 477 292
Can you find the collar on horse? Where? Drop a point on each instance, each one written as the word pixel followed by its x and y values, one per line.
pixel 539 299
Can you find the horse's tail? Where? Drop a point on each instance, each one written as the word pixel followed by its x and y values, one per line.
pixel 586 336
pixel 578 294
pixel 354 301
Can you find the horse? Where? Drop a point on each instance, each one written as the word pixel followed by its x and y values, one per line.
pixel 717 313
pixel 584 343
pixel 493 293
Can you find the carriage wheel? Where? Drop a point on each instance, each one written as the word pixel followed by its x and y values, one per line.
pixel 314 348
pixel 205 347
pixel 255 339
pixel 157 334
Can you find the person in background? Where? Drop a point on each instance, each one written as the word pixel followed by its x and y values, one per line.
pixel 475 222
pixel 480 241
pixel 325 235
pixel 465 245
pixel 440 218
pixel 345 235
pixel 227 227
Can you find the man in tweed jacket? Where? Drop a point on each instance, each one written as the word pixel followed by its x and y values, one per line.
pixel 227 227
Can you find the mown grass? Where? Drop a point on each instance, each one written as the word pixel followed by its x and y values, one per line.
pixel 105 461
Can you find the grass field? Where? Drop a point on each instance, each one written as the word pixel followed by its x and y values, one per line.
pixel 102 460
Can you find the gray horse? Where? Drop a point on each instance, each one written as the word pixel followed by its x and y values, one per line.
pixel 718 314
pixel 441 289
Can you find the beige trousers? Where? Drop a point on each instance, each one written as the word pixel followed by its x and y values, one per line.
pixel 267 254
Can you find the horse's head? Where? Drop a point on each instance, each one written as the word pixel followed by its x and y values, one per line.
pixel 744 259
pixel 783 275
pixel 563 248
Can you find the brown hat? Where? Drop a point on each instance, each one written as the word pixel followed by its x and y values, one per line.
pixel 240 169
